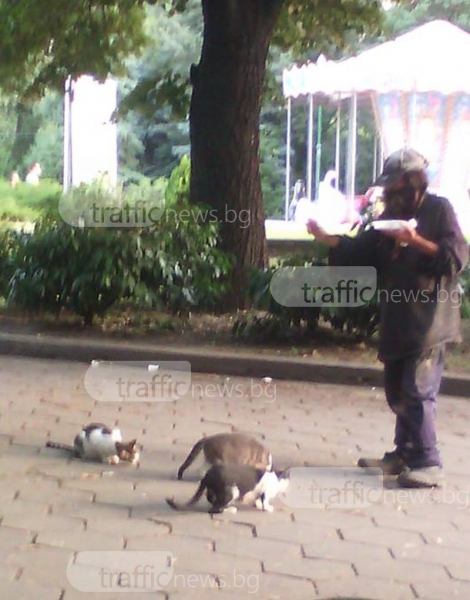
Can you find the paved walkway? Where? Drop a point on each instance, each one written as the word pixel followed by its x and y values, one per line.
pixel 393 545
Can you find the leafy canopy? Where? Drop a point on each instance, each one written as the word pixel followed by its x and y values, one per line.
pixel 41 43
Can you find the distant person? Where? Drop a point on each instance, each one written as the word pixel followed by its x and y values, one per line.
pixel 15 179
pixel 299 193
pixel 34 174
pixel 419 308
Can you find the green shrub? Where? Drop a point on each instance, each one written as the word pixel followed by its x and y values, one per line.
pixel 276 322
pixel 26 202
pixel 10 241
pixel 173 264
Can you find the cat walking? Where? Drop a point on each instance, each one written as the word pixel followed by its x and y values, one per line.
pixel 225 484
pixel 236 448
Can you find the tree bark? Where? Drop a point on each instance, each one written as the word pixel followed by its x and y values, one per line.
pixel 224 128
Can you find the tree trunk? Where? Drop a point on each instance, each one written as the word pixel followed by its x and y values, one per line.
pixel 224 128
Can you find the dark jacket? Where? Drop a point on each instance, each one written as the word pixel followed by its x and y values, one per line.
pixel 419 295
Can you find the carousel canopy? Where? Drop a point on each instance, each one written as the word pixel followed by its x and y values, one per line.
pixel 425 59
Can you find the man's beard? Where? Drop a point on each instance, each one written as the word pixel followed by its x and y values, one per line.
pixel 402 204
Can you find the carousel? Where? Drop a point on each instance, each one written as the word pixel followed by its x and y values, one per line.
pixel 420 99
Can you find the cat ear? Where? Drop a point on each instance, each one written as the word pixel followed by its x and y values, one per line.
pixel 133 443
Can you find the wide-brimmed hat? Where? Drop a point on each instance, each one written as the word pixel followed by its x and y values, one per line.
pixel 403 161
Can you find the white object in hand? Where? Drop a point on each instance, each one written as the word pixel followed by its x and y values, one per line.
pixel 393 224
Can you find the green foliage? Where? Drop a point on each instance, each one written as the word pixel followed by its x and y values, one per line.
pixel 83 270
pixel 172 264
pixel 41 45
pixel 465 293
pixel 402 18
pixel 326 24
pixel 274 322
pixel 10 241
pixel 26 202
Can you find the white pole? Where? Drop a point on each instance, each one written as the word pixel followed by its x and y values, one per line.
pixel 310 148
pixel 351 172
pixel 288 148
pixel 338 142
pixel 67 174
pixel 375 165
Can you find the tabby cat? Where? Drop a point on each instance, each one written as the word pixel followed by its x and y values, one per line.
pixel 236 448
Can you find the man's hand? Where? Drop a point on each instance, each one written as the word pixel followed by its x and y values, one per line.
pixel 320 234
pixel 408 236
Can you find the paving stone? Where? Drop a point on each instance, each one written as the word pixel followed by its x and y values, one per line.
pixel 239 585
pixel 11 538
pixel 301 533
pixel 18 508
pixel 251 516
pixel 8 572
pixel 406 571
pixel 36 485
pixel 438 591
pixel 134 528
pixel 264 550
pixel 42 522
pixel 58 495
pixel 448 538
pixel 341 550
pixel 407 523
pixel 310 568
pixel 461 520
pixel 196 555
pixel 82 540
pixel 381 536
pixel 203 526
pixel 334 517
pixel 72 594
pixel 362 588
pixel 129 497
pixel 26 590
pixel 450 557
pixel 457 568
pixel 90 510
pixel 44 565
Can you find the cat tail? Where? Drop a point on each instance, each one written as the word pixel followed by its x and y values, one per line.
pixel 59 446
pixel 191 502
pixel 196 450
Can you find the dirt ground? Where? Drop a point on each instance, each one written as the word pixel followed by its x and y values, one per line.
pixel 215 332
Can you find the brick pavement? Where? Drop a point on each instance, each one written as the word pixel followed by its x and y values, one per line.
pixel 403 544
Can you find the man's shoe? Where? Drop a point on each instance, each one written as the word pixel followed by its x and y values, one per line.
pixel 391 463
pixel 426 477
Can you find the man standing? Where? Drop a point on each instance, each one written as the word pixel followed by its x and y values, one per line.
pixel 418 265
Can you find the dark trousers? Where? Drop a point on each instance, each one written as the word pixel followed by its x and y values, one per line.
pixel 411 387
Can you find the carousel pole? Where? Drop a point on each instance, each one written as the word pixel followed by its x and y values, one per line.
pixel 310 148
pixel 375 165
pixel 338 142
pixel 352 147
pixel 288 150
pixel 318 150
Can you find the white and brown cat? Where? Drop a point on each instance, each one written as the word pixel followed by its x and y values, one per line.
pixel 226 484
pixel 97 442
pixel 235 448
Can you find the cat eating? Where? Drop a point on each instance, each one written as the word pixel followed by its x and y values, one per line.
pixel 226 483
pixel 97 442
pixel 236 448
